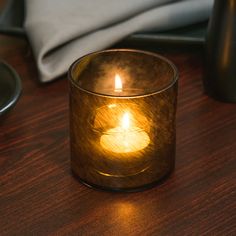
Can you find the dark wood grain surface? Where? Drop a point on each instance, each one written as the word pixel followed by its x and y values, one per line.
pixel 39 195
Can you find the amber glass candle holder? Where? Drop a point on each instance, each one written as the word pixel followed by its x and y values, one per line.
pixel 122 119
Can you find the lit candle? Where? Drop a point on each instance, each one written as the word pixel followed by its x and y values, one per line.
pixel 125 137
pixel 122 119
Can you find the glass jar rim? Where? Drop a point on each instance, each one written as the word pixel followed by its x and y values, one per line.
pixel 158 56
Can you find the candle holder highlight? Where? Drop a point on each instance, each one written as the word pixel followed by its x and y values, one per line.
pixel 122 119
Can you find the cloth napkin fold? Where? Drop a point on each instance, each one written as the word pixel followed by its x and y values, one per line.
pixel 60 31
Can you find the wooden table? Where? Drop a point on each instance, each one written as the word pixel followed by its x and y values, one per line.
pixel 39 196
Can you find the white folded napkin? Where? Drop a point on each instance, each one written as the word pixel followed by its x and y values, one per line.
pixel 60 31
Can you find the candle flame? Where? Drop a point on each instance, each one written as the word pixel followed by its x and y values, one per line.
pixel 125 122
pixel 118 83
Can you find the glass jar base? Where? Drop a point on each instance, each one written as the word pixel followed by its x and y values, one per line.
pixel 128 190
pixel 121 176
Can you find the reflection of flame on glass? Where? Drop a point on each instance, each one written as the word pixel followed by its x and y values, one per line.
pixel 118 84
pixel 111 106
